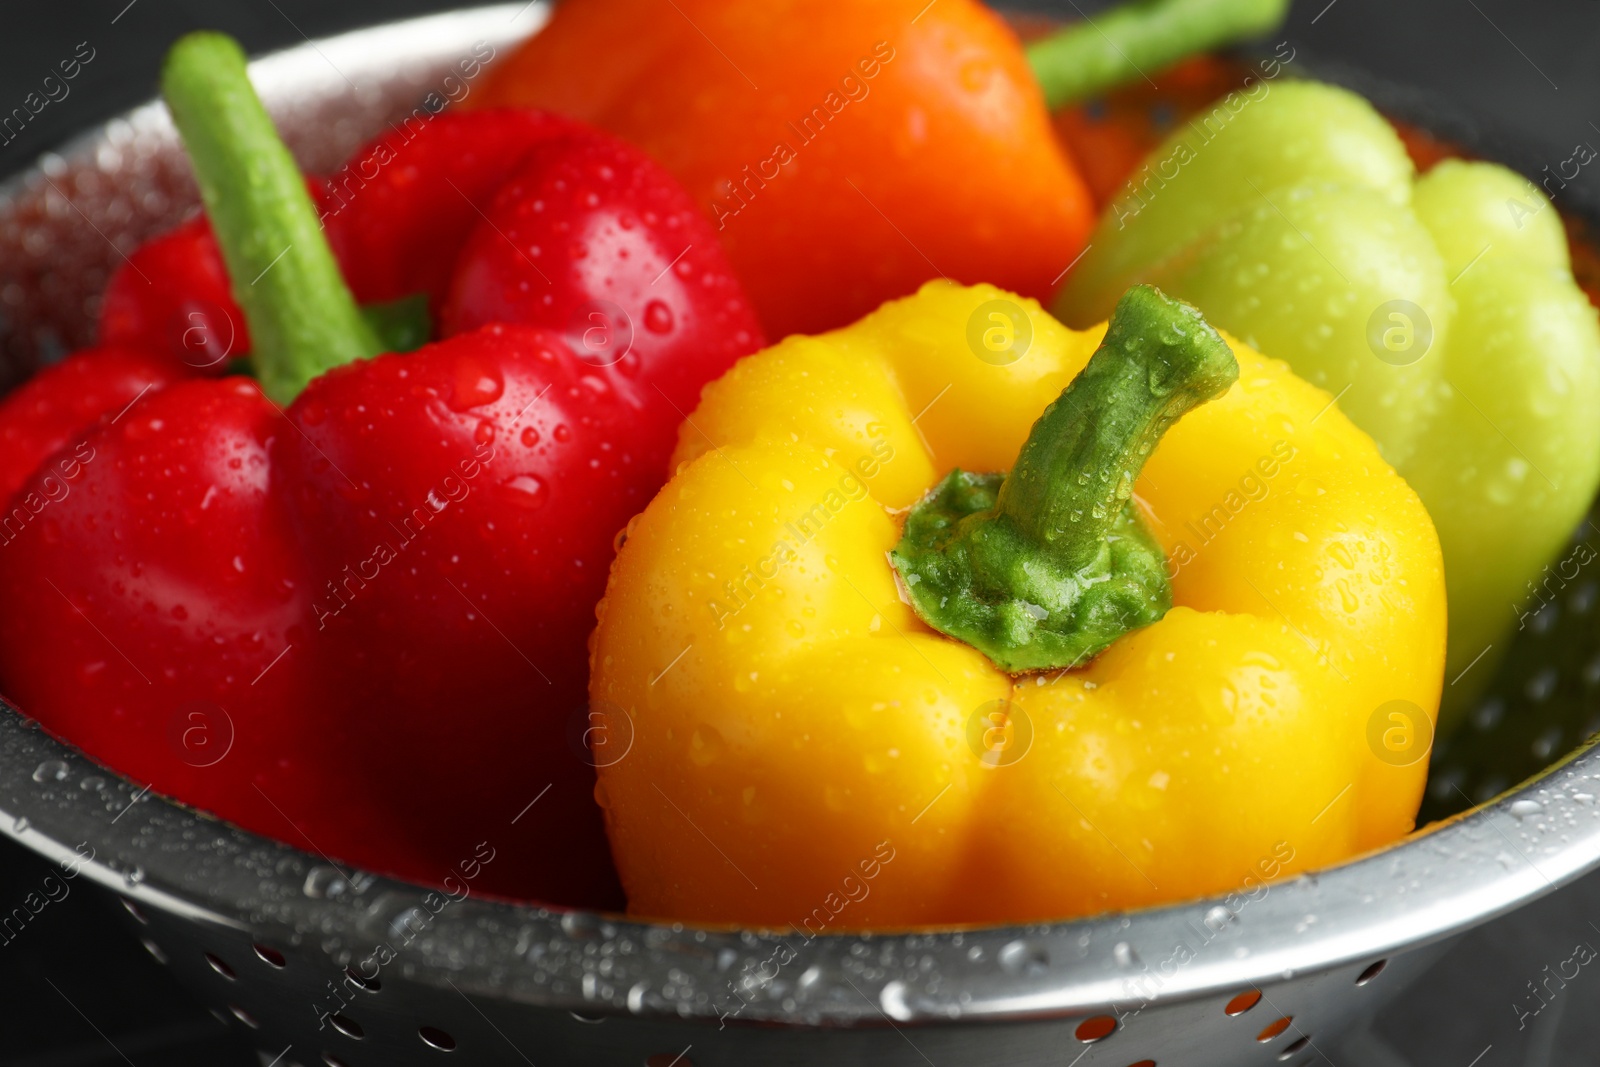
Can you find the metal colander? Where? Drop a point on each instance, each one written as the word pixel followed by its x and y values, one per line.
pixel 319 965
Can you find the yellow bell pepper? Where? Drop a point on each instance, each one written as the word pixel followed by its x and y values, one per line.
pixel 807 751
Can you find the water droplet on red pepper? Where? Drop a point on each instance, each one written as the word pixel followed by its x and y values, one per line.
pixel 476 384
pixel 526 490
pixel 657 317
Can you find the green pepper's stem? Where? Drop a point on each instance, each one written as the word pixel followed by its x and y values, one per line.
pixel 1045 567
pixel 1159 358
pixel 1139 37
pixel 303 320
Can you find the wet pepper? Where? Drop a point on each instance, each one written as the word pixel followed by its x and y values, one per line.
pixel 831 723
pixel 1440 309
pixel 261 598
pixel 845 154
pixel 849 154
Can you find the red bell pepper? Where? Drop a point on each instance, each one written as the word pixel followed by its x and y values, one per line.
pixel 47 412
pixel 396 215
pixel 358 623
pixel 172 296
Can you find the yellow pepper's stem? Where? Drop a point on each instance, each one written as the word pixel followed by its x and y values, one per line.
pixel 1045 567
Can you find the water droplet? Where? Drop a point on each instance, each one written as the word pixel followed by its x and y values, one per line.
pixel 658 317
pixel 1347 597
pixel 21 825
pixel 636 994
pixel 976 74
pixel 1122 954
pixel 409 923
pixel 52 770
pixel 530 437
pixel 526 490
pixel 1218 917
pixel 1024 957
pixel 892 998
pixel 322 882
pixel 1522 809
pixel 475 384
pixel 578 923
pixel 705 745
pixel 1310 488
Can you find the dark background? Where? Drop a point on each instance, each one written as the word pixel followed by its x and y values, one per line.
pixel 1525 70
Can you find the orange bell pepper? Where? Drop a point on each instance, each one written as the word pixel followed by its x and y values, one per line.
pixel 848 153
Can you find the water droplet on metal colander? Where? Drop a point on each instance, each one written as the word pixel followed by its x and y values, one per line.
pixel 51 770
pixel 409 923
pixel 893 1000
pixel 1218 917
pixel 1122 954
pixel 579 923
pixel 636 995
pixel 322 882
pixel 1524 808
pixel 1024 957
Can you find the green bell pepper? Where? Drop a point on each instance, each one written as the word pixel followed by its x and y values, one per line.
pixel 1440 311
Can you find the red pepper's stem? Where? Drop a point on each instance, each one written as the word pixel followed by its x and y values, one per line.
pixel 1139 38
pixel 303 319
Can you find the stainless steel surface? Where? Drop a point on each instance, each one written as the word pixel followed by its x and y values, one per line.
pixel 511 984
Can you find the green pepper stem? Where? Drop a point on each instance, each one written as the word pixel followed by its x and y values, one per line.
pixel 1158 360
pixel 1048 566
pixel 303 319
pixel 1140 36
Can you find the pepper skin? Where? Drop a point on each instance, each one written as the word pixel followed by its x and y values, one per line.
pixel 45 413
pixel 172 296
pixel 869 159
pixel 399 211
pixel 164 582
pixel 591 239
pixel 1441 310
pixel 320 564
pixel 807 751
